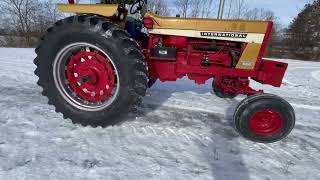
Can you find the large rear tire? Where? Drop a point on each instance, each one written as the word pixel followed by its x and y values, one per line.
pixel 91 70
pixel 264 118
pixel 152 81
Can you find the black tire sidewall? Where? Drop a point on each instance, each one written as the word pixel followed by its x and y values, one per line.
pixel 81 33
pixel 218 92
pixel 246 111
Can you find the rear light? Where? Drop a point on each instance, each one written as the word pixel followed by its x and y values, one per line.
pixel 71 1
pixel 148 23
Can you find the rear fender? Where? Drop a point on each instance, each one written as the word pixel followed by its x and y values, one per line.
pixel 114 12
pixel 98 9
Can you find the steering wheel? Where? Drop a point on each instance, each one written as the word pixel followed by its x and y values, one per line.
pixel 141 4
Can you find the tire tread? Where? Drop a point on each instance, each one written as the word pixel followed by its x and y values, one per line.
pixel 102 26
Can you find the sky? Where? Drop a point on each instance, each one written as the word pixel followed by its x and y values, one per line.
pixel 285 10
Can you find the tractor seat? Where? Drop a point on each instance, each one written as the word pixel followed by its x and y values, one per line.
pixel 198 24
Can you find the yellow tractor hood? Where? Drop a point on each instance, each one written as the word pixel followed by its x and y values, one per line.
pixel 106 10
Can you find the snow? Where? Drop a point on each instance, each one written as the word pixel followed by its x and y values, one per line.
pixel 182 131
pixel 316 75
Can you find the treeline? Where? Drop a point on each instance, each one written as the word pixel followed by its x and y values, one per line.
pixel 303 35
pixel 23 21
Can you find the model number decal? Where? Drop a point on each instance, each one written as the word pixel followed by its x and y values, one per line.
pixel 246 63
pixel 228 35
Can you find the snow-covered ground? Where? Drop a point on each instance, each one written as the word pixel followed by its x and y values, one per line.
pixel 182 131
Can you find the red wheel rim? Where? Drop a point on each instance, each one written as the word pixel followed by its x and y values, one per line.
pixel 266 122
pixel 91 76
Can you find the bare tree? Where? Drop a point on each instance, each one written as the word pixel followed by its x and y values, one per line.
pixel 159 7
pixel 236 9
pixel 201 8
pixel 230 5
pixel 240 8
pixel 19 15
pixel 183 6
pixel 196 8
pixel 47 14
pixel 207 8
pixel 26 18
pixel 259 14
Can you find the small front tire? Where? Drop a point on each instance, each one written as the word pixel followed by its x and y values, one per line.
pixel 218 92
pixel 264 118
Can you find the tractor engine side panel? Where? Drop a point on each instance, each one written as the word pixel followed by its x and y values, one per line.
pixel 193 53
pixel 255 34
pixel 210 48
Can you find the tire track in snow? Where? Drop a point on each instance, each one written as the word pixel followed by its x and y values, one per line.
pixel 153 130
pixel 28 86
pixel 305 106
pixel 25 98
pixel 316 75
pixel 199 109
pixel 305 67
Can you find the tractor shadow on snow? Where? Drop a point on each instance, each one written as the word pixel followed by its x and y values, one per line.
pixel 220 145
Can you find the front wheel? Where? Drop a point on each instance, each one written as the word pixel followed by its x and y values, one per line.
pixel 217 85
pixel 91 70
pixel 219 92
pixel 264 118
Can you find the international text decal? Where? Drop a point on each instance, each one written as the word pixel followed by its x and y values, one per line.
pixel 227 35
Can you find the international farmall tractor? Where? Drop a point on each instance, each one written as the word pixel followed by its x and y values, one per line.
pixel 96 66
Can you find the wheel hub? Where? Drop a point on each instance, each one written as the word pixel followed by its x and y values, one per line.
pixel 266 122
pixel 91 76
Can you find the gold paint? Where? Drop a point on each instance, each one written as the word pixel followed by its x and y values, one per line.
pixel 208 24
pixel 99 9
pixel 249 56
pixel 106 10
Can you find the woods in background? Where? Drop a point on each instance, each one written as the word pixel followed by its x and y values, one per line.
pixel 23 21
pixel 303 34
pixel 159 7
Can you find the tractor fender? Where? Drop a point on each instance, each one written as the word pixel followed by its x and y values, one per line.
pixel 106 10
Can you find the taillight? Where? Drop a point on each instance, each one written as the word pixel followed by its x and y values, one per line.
pixel 148 23
pixel 71 1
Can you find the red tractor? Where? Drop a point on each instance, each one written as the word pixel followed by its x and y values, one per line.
pixel 96 66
